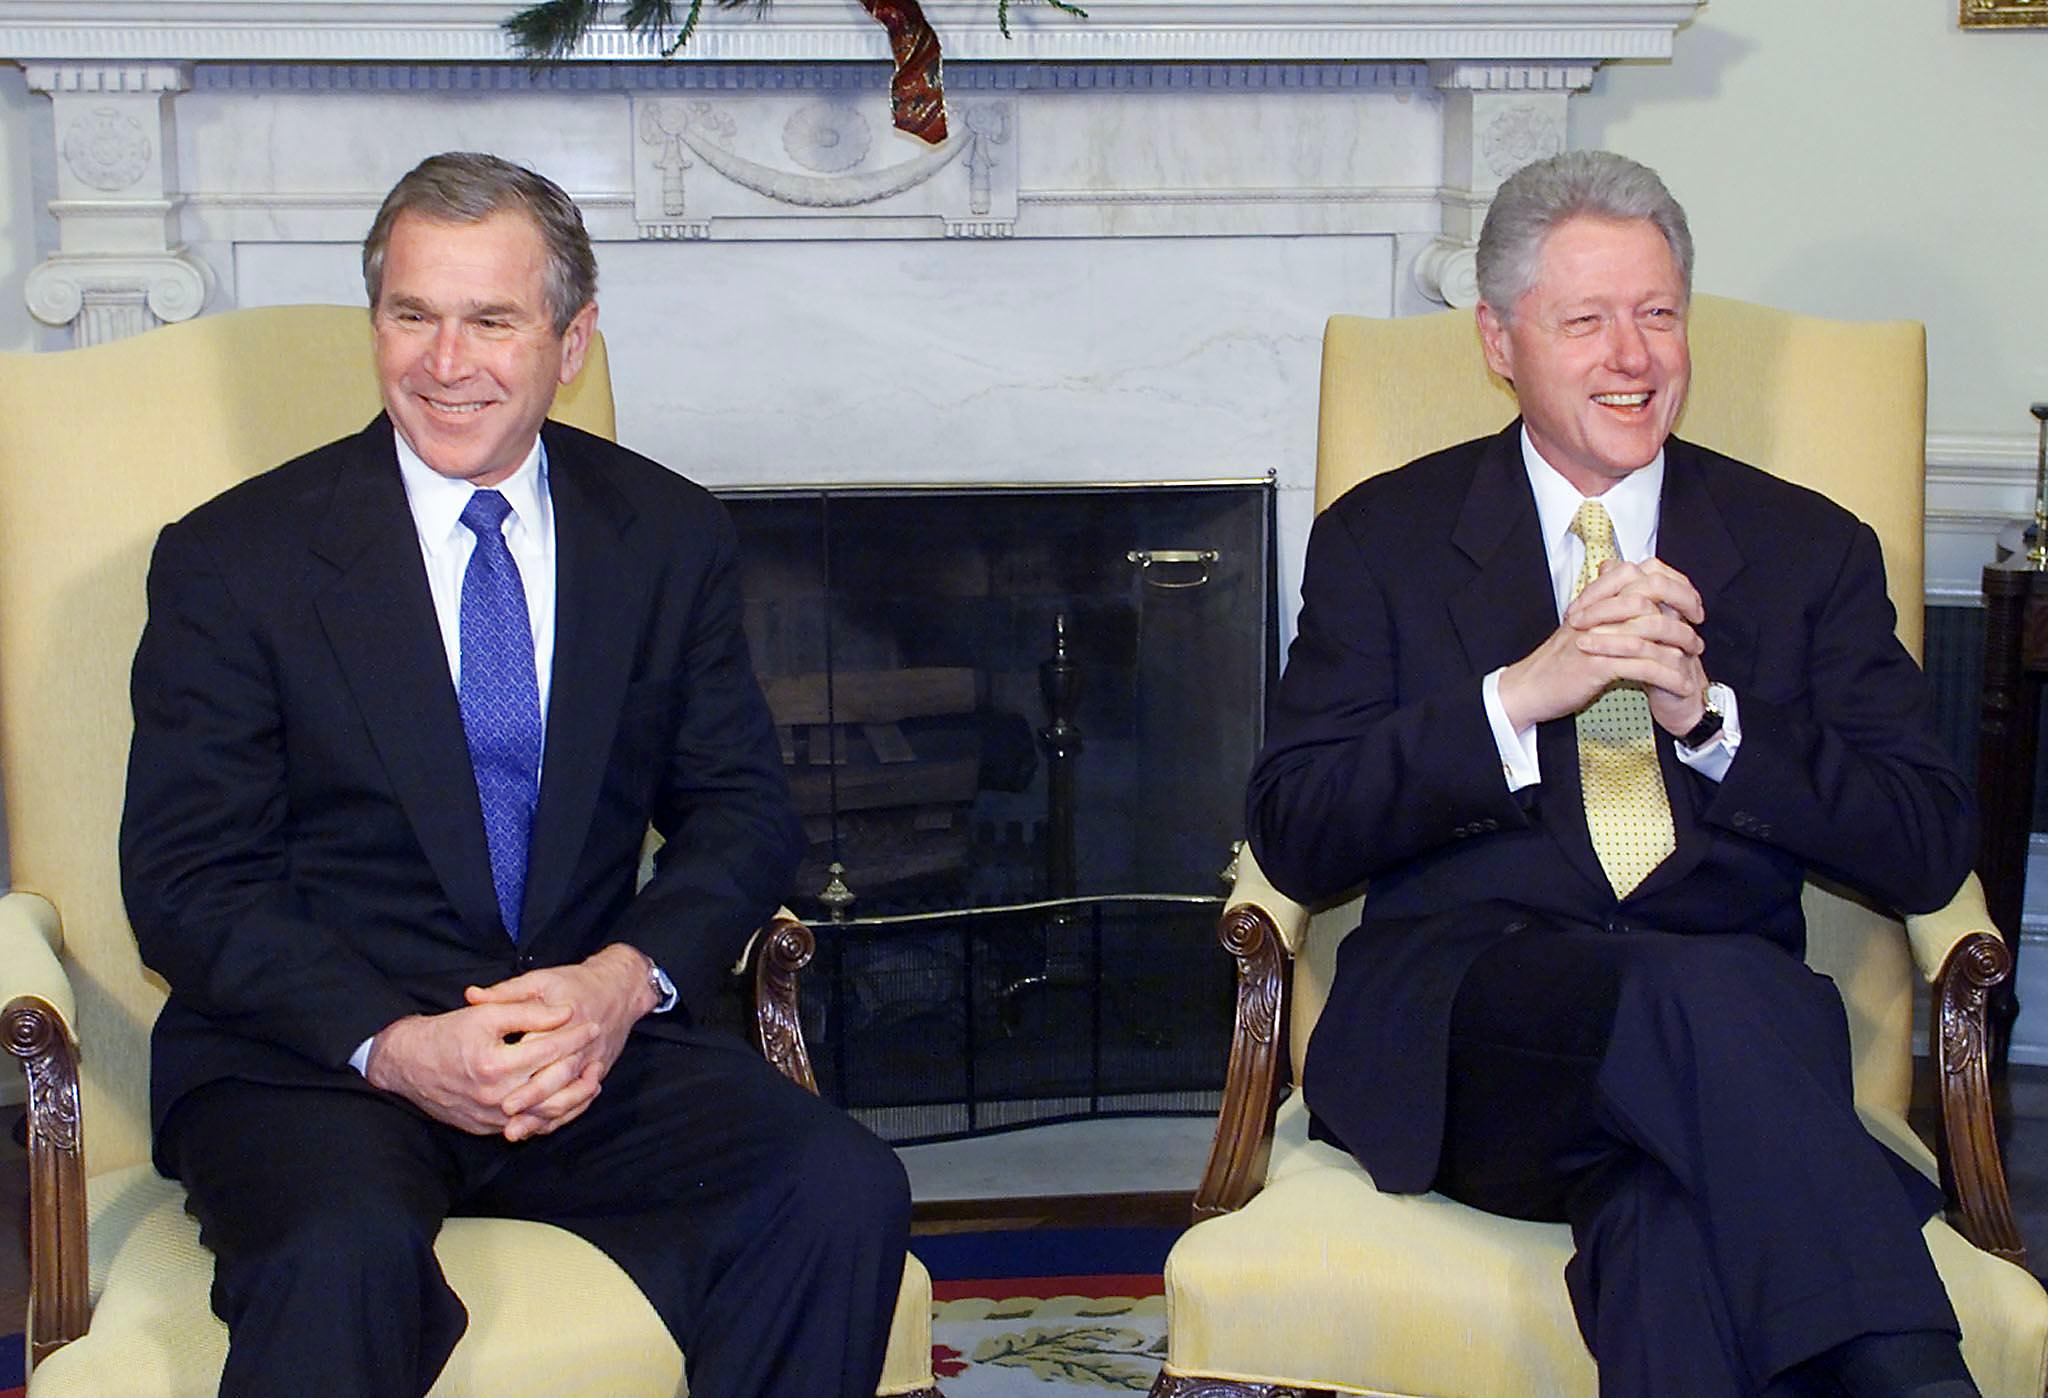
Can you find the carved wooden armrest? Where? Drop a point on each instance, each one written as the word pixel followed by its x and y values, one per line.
pixel 1258 1047
pixel 38 1034
pixel 36 993
pixel 1972 1174
pixel 779 951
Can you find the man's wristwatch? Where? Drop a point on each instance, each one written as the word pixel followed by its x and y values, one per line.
pixel 1703 732
pixel 664 989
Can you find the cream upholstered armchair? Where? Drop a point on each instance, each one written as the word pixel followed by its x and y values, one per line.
pixel 1299 1277
pixel 98 449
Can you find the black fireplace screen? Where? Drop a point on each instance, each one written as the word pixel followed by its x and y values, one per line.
pixel 1017 725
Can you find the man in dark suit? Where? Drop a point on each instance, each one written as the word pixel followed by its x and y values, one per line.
pixel 405 709
pixel 1578 991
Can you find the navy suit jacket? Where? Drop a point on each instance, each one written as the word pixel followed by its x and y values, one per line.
pixel 302 849
pixel 1380 766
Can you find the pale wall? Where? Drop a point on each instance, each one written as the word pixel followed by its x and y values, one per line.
pixel 1864 161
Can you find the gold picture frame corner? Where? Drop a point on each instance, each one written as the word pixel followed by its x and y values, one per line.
pixel 2003 14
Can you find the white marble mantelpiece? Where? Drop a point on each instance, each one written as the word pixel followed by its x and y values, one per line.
pixel 1117 268
pixel 1125 31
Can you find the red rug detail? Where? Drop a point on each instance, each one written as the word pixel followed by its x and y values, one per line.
pixel 1136 1285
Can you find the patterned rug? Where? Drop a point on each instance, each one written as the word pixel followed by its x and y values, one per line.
pixel 1047 1337
pixel 1047 1313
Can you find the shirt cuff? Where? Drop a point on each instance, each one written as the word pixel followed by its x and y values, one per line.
pixel 1517 747
pixel 1712 758
pixel 360 1059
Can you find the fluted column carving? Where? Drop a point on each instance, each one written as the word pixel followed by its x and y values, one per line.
pixel 119 269
pixel 1498 117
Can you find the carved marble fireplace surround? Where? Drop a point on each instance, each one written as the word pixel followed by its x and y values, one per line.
pixel 1116 269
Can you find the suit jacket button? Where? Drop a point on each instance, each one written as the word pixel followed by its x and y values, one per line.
pixel 524 961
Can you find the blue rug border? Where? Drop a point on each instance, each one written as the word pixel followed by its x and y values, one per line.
pixel 1044 1252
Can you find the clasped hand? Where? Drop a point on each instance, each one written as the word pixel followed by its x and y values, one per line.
pixel 525 1056
pixel 1634 622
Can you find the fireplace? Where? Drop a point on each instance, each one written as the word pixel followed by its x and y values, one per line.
pixel 1017 724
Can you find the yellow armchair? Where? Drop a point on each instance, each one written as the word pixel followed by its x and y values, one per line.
pixel 1299 1277
pixel 98 449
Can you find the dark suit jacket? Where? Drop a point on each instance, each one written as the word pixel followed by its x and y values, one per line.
pixel 1379 763
pixel 302 849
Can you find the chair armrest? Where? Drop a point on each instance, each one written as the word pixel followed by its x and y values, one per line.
pixel 1243 1147
pixel 1935 936
pixel 1248 884
pixel 777 953
pixel 31 938
pixel 36 1008
pixel 1969 960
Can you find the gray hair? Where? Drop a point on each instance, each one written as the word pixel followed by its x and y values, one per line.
pixel 1539 197
pixel 466 187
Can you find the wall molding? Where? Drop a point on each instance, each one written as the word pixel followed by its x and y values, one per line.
pixel 829 30
pixel 1127 76
pixel 1978 484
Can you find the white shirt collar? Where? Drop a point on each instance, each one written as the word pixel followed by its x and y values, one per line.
pixel 438 501
pixel 1631 503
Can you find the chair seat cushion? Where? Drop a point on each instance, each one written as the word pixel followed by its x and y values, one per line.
pixel 549 1313
pixel 1322 1281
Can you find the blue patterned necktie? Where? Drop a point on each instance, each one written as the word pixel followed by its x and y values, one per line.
pixel 500 699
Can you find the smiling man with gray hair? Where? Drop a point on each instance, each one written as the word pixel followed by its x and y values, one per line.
pixel 1584 702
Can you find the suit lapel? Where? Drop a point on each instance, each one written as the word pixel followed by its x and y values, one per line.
pixel 1506 610
pixel 596 608
pixel 378 616
pixel 1693 537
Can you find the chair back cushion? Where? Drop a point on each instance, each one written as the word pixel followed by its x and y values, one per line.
pixel 99 449
pixel 1836 406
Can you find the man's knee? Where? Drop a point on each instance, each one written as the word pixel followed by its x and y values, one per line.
pixel 347 1245
pixel 1721 1022
pixel 856 1184
pixel 1736 982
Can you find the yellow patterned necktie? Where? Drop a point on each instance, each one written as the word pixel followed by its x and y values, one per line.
pixel 1628 812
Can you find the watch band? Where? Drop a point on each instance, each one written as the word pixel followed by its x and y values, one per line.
pixel 664 989
pixel 1703 732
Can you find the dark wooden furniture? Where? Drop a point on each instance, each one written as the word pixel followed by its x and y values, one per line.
pixel 2015 666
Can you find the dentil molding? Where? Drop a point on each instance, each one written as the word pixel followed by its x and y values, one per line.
pixel 1128 30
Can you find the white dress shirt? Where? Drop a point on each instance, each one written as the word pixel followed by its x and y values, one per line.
pixel 1632 504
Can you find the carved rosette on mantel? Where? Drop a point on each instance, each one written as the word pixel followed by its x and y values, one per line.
pixel 813 165
pixel 1498 117
pixel 119 269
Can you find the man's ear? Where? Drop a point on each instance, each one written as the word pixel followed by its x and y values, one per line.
pixel 1493 338
pixel 576 341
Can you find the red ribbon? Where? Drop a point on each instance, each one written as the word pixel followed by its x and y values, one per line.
pixel 917 93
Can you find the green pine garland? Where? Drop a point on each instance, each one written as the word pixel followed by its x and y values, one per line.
pixel 552 29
